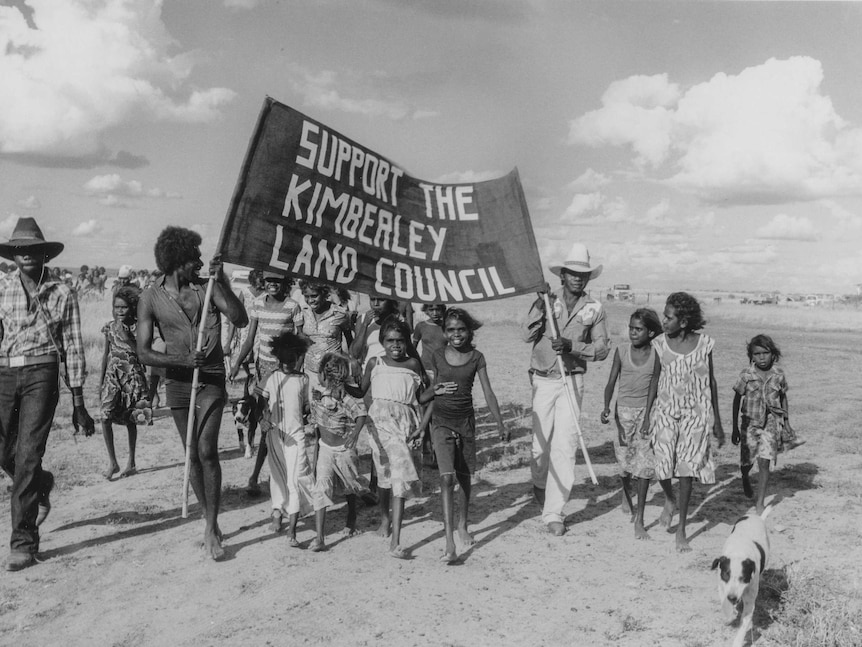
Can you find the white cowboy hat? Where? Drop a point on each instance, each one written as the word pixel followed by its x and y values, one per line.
pixel 578 261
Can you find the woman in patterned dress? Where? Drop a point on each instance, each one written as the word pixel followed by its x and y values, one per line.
pixel 124 381
pixel 686 407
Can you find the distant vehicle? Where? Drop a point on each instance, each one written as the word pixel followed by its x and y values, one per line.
pixel 813 300
pixel 620 292
pixel 763 299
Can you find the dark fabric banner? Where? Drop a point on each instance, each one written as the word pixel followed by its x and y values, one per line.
pixel 316 205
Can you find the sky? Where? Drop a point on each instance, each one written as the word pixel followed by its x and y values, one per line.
pixel 689 145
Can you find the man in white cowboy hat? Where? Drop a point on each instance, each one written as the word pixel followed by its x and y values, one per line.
pixel 583 337
pixel 41 329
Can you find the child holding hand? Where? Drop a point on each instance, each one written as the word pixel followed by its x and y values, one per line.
pixel 760 394
pixel 686 407
pixel 637 367
pixel 339 418
pixel 453 419
pixel 394 380
pixel 281 404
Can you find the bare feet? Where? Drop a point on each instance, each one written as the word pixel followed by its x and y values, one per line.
pixel 640 531
pixel 130 470
pixel 351 532
pixel 449 557
pixel 398 553
pixel 465 537
pixel 317 545
pixel 385 528
pixel 667 514
pixel 212 546
pixel 112 469
pixel 275 523
pixel 292 542
pixel 682 545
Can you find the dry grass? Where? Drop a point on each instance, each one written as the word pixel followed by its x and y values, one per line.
pixel 813 609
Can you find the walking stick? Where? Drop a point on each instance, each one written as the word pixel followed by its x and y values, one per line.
pixel 569 388
pixel 190 427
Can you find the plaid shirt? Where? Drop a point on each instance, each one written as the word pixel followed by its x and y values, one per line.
pixel 24 329
pixel 760 395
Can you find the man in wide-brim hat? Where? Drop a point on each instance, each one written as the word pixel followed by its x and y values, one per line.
pixel 41 329
pixel 582 337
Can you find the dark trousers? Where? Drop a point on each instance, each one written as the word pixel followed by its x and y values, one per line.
pixel 28 398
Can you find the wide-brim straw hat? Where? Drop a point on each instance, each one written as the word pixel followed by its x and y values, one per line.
pixel 578 260
pixel 28 237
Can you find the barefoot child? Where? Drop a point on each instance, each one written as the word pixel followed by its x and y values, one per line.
pixel 339 418
pixel 282 402
pixel 637 367
pixel 761 394
pixel 453 420
pixel 123 381
pixel 394 380
pixel 686 407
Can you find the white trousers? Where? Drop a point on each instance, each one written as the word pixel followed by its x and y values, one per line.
pixel 555 442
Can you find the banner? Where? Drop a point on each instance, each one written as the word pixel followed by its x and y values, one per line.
pixel 316 205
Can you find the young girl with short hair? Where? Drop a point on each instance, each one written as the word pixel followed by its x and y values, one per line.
pixel 123 380
pixel 637 367
pixel 394 380
pixel 686 407
pixel 283 401
pixel 453 419
pixel 760 394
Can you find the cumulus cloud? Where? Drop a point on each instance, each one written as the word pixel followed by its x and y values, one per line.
pixel 784 227
pixel 31 202
pixel 332 91
pixel 113 191
pixel 589 181
pixel 766 135
pixel 80 68
pixel 86 228
pixel 584 203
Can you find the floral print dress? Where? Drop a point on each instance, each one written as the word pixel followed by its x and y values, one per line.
pixel 124 390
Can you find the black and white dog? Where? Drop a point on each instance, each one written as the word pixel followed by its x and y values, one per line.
pixel 742 562
pixel 242 410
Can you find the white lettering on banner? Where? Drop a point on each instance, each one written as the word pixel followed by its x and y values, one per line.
pixel 334 157
pixel 432 284
pixel 356 219
pixel 338 264
pixel 448 202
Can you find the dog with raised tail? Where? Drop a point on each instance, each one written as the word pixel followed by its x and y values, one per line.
pixel 740 567
pixel 242 410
